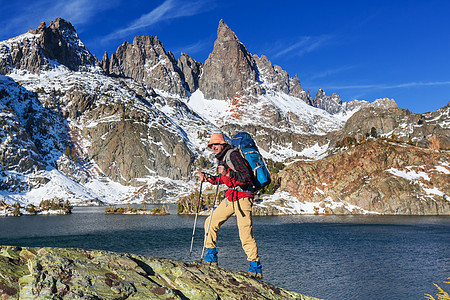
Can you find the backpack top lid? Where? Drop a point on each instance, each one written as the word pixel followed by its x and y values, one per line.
pixel 243 140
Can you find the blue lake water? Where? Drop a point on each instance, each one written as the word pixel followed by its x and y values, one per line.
pixel 330 257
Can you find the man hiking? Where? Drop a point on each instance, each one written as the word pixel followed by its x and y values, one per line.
pixel 236 174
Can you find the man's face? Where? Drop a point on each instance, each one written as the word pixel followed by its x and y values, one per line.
pixel 217 148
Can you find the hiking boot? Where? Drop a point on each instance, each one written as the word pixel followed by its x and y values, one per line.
pixel 210 259
pixel 255 270
pixel 253 275
pixel 207 263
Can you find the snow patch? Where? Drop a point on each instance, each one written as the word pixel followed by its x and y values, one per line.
pixel 410 174
pixel 290 205
pixel 63 187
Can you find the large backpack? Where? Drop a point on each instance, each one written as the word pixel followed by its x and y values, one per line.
pixel 246 145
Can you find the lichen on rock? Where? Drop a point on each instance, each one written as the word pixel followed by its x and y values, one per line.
pixel 58 273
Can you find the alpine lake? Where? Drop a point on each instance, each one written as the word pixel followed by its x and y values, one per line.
pixel 325 256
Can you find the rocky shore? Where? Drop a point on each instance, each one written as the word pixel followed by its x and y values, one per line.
pixel 58 273
pixel 47 207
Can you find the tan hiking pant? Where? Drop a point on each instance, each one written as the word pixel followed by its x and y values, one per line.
pixel 245 225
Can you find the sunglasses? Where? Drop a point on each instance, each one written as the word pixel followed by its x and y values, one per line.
pixel 215 144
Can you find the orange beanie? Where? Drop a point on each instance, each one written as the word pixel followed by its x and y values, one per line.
pixel 216 138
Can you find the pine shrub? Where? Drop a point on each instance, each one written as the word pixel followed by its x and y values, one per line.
pixel 442 295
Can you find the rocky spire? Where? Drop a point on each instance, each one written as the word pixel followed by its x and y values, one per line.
pixel 332 104
pixel 229 69
pixel 105 63
pixel 191 70
pixel 60 42
pixel 146 60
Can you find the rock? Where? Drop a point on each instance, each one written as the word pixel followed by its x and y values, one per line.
pixel 146 61
pixel 105 63
pixel 331 104
pixel 229 69
pixel 376 176
pixel 57 42
pixel 265 211
pixel 29 132
pixel 57 273
pixel 80 100
pixel 191 70
pixel 334 105
pixel 277 78
pixel 120 152
pixel 398 124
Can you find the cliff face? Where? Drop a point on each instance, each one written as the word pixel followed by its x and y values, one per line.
pixel 376 176
pixel 31 136
pixel 53 273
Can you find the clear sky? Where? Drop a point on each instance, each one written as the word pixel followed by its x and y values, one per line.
pixel 399 49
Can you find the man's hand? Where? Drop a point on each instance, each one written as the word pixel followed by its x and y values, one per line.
pixel 221 170
pixel 203 177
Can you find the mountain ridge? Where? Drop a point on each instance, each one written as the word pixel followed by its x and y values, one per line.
pixel 135 126
pixel 40 48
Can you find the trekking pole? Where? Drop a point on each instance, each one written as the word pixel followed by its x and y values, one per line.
pixel 210 215
pixel 196 215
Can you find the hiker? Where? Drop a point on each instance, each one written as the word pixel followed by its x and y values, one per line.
pixel 238 199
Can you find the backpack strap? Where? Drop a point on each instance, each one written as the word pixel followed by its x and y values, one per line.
pixel 227 159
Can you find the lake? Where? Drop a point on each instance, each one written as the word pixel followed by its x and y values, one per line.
pixel 329 257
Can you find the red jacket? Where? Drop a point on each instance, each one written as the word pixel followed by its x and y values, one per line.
pixel 240 178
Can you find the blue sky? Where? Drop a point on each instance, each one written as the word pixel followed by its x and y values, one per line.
pixel 358 49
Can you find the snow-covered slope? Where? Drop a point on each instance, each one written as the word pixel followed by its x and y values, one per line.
pixel 298 117
pixel 74 130
pixel 83 180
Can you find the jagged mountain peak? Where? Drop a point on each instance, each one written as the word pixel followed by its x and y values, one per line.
pixel 45 48
pixel 232 71
pixel 147 40
pixel 320 93
pixel 229 69
pixel 224 32
pixel 146 61
pixel 58 24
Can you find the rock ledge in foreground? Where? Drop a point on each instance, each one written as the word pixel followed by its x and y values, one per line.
pixel 58 273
